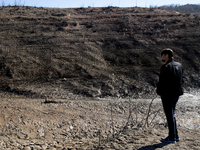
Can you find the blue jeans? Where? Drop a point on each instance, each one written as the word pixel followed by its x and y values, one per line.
pixel 169 105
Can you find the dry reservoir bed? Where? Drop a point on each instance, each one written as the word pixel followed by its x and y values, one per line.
pixel 91 124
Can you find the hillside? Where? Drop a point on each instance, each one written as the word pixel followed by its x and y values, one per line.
pixel 189 8
pixel 93 52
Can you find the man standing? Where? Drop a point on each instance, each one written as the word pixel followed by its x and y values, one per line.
pixel 170 88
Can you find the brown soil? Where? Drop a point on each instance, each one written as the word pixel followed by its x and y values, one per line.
pixel 94 124
pixel 83 78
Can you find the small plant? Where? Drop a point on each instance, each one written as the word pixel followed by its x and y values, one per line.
pixel 148 113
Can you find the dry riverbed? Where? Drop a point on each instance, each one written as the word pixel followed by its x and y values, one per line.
pixel 95 124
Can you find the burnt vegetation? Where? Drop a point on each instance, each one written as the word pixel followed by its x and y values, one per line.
pixel 93 52
pixel 189 8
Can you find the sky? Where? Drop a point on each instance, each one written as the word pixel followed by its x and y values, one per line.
pixel 95 3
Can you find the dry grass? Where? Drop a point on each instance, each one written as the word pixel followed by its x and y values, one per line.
pixel 100 51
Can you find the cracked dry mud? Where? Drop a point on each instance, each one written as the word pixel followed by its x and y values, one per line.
pixel 94 124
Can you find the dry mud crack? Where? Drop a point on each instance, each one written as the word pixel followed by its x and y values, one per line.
pixel 94 124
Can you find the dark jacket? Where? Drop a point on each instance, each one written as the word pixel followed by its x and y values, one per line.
pixel 170 79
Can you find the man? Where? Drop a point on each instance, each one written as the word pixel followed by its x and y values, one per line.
pixel 170 88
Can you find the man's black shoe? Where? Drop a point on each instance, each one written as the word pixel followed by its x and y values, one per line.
pixel 168 140
pixel 177 139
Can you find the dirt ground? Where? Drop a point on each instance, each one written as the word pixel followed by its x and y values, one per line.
pixel 68 55
pixel 59 124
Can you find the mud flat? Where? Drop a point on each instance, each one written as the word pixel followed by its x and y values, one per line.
pixel 92 124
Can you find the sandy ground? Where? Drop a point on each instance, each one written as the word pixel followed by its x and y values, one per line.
pixel 59 124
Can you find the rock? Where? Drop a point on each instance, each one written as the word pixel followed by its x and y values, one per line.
pixel 2 144
pixel 58 146
pixel 36 147
pixel 27 148
pixel 115 146
pixel 41 132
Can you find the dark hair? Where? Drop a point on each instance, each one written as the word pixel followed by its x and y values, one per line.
pixel 169 52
